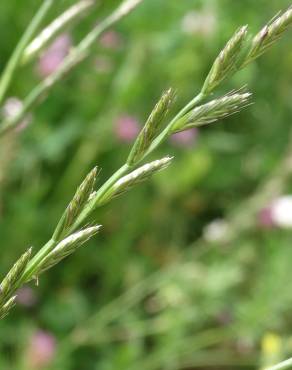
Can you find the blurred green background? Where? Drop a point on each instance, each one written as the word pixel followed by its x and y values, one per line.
pixel 160 287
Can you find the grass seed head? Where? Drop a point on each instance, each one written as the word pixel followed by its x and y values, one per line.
pixel 268 35
pixel 10 282
pixel 213 111
pixel 67 246
pixel 226 63
pixel 76 205
pixel 135 177
pixel 151 127
pixel 5 309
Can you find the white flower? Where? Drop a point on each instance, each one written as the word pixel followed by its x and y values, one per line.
pixel 281 211
pixel 216 231
pixel 199 23
pixel 11 107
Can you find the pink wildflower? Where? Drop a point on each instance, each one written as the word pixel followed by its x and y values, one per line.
pixel 126 128
pixel 51 59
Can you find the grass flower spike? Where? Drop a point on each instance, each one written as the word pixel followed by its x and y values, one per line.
pixel 139 175
pixel 5 309
pixel 268 36
pixel 76 205
pixel 71 15
pixel 11 282
pixel 72 230
pixel 16 56
pixel 212 111
pixel 151 128
pixel 67 247
pixel 226 62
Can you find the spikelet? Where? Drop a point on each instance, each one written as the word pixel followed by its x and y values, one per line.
pixel 10 282
pixel 212 111
pixel 72 14
pixel 76 205
pixel 268 35
pixel 4 310
pixel 151 128
pixel 226 63
pixel 139 175
pixel 67 247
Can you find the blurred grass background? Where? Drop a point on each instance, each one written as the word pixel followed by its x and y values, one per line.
pixel 184 303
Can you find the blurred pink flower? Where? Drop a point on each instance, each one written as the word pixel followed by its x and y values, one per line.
pixel 26 297
pixel 54 55
pixel 185 138
pixel 41 350
pixel 111 40
pixel 265 218
pixel 126 128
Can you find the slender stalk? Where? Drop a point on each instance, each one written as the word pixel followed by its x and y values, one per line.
pixel 74 58
pixel 35 261
pixel 287 364
pixel 16 56
pixel 71 15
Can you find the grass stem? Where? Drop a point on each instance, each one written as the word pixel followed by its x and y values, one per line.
pixel 16 56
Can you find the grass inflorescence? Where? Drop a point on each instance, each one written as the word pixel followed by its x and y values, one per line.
pixel 72 230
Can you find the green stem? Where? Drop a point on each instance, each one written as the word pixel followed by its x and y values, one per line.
pixel 35 262
pixel 66 19
pixel 15 59
pixel 40 91
pixel 287 364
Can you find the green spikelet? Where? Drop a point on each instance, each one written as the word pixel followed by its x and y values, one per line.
pixel 226 63
pixel 151 128
pixel 76 205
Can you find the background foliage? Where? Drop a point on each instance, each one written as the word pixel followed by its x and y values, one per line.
pixel 197 304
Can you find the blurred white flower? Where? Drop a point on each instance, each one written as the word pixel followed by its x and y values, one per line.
pixel 203 23
pixel 281 211
pixel 12 106
pixel 216 231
